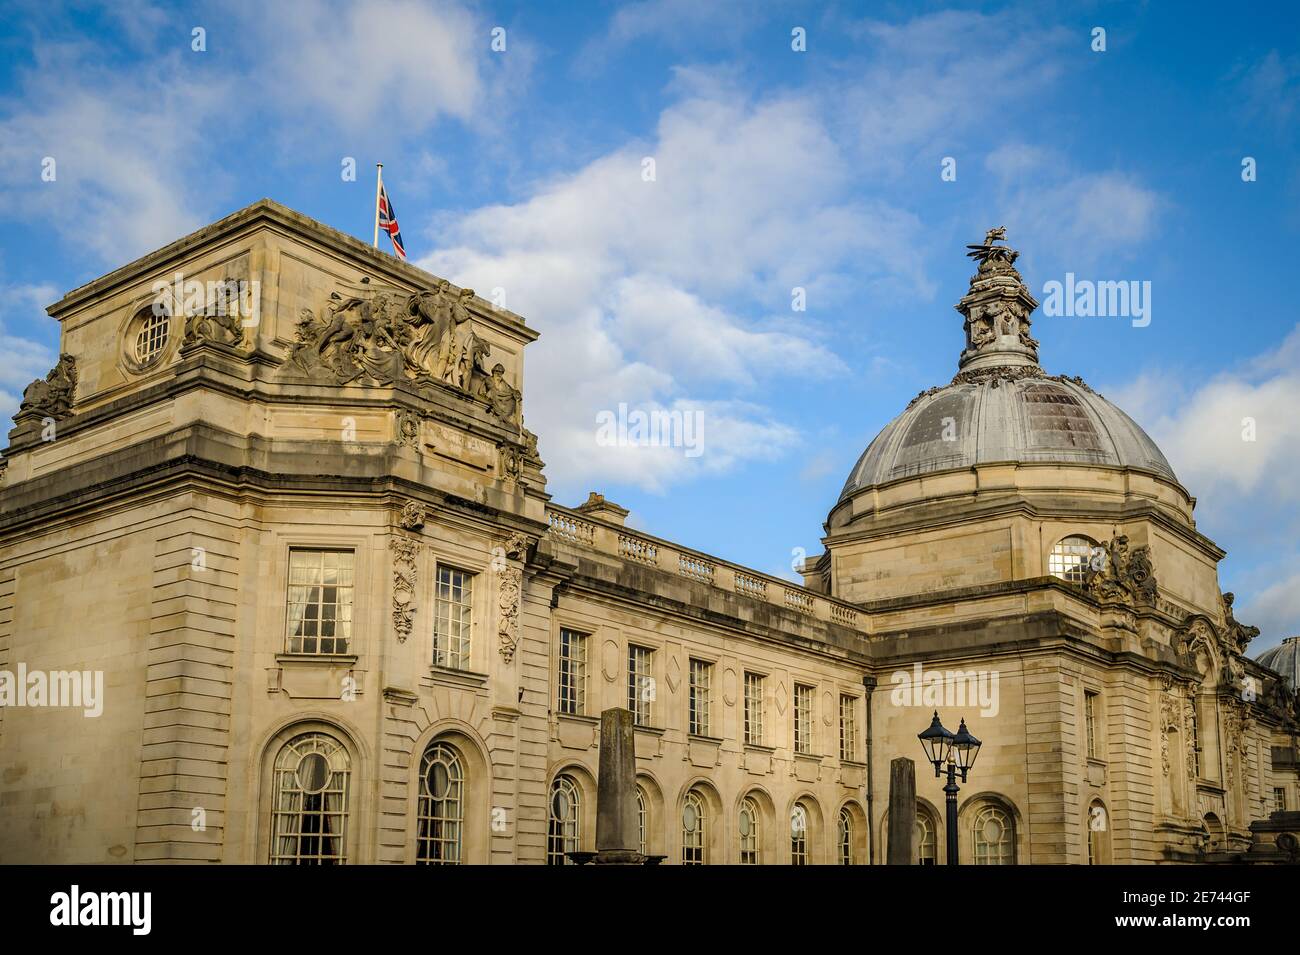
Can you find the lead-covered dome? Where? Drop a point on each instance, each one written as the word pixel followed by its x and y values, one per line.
pixel 986 418
pixel 1284 659
pixel 1001 406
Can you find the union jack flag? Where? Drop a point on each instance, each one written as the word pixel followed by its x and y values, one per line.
pixel 388 222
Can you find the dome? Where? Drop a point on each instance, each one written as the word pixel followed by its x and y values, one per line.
pixel 1002 406
pixel 1284 659
pixel 996 416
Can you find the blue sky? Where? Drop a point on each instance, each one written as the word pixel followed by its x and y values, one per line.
pixel 521 169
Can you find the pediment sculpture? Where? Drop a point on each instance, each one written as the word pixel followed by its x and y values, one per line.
pixel 218 321
pixel 387 336
pixel 52 395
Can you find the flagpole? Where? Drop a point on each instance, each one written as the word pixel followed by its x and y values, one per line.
pixel 379 184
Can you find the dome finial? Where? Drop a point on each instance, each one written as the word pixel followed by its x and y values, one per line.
pixel 997 308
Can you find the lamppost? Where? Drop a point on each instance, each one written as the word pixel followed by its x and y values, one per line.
pixel 958 750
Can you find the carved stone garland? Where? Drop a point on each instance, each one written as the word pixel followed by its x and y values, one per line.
pixel 405 554
pixel 509 593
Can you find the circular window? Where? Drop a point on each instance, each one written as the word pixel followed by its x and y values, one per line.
pixel 992 830
pixel 1073 557
pixel 313 773
pixel 438 780
pixel 151 336
pixel 690 818
pixel 745 826
pixel 560 804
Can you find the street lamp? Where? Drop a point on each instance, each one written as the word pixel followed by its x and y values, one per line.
pixel 958 750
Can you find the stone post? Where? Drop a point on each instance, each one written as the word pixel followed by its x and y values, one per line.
pixel 617 823
pixel 902 810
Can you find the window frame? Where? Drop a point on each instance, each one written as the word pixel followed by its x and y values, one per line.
pixel 699 697
pixel 642 707
pixel 449 657
pixel 295 740
pixel 804 718
pixel 753 721
pixel 695 843
pixel 425 800
pixel 563 835
pixel 848 728
pixel 320 550
pixel 576 671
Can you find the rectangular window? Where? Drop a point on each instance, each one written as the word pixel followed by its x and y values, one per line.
pixel 1279 799
pixel 452 618
pixel 803 718
pixel 1194 740
pixel 701 677
pixel 573 672
pixel 753 709
pixel 320 601
pixel 848 728
pixel 640 684
pixel 1090 704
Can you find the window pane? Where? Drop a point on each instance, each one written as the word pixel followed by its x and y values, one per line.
pixel 452 618
pixel 313 607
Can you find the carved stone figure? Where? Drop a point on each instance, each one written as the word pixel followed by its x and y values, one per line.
pixel 412 517
pixel 1123 577
pixel 502 397
pixel 389 336
pixel 1238 635
pixel 52 396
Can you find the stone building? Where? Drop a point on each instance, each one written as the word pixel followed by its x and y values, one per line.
pixel 279 495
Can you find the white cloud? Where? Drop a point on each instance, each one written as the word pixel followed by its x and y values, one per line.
pixel 25 360
pixel 127 148
pixel 1079 216
pixel 374 65
pixel 648 287
pixel 1246 490
pixel 1204 430
pixel 1276 611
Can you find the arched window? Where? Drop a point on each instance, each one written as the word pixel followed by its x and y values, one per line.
pixel 565 828
pixel 440 814
pixel 799 835
pixel 694 821
pixel 993 836
pixel 926 847
pixel 750 846
pixel 1098 834
pixel 845 837
pixel 1071 557
pixel 641 826
pixel 310 814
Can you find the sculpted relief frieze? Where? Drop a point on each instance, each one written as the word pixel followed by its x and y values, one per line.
pixel 375 334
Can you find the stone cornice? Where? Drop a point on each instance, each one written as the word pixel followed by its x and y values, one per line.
pixel 1013 502
pixel 267 212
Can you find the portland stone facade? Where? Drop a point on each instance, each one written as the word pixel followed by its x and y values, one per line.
pixel 279 495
